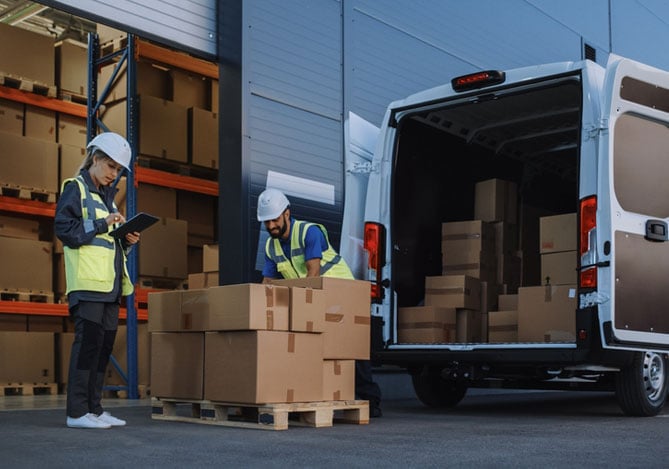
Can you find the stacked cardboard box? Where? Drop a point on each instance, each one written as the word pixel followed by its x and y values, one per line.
pixel 426 324
pixel 292 341
pixel 461 294
pixel 558 249
pixel 503 324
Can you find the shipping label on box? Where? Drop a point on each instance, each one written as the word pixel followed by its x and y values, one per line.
pixel 346 332
pixel 338 380
pixel 177 365
pixel 426 324
pixel 544 309
pixel 307 310
pixel 558 233
pixel 453 291
pixel 259 367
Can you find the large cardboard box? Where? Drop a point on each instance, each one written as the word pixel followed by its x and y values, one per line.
pixel 108 34
pixel 558 233
pixel 29 162
pixel 496 200
pixel 72 67
pixel 210 258
pixel 346 332
pixel 258 367
pixel 426 324
pixel 199 210
pixel 200 280
pixel 120 353
pixel 159 201
pixel 338 380
pixel 18 253
pixel 163 129
pixel 26 54
pixel 19 227
pixel 503 326
pixel 163 251
pixel 213 95
pixel 165 315
pixel 72 130
pixel 39 323
pixel 188 89
pixel 40 123
pixel 248 306
pixel 546 314
pixel 13 322
pixel 203 137
pixel 507 302
pixel 468 325
pixel 462 237
pixel 71 158
pixel 27 357
pixel 477 264
pixel 559 268
pixel 307 310
pixel 453 291
pixel 11 116
pixel 177 365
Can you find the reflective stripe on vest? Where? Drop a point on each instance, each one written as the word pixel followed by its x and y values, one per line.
pixel 332 264
pixel 91 267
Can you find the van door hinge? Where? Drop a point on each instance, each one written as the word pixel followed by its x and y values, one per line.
pixel 360 168
pixel 592 131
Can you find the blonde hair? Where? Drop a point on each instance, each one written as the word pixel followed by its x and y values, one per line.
pixel 91 153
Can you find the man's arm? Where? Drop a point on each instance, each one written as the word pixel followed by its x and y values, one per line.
pixel 313 267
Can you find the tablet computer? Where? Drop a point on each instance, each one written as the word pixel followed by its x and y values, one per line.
pixel 139 222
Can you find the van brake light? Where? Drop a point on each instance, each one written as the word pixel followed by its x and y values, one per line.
pixel 374 244
pixel 587 242
pixel 478 80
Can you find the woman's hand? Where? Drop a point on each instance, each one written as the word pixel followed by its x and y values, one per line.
pixel 114 218
pixel 132 238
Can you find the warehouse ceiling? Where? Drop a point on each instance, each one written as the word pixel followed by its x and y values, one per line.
pixel 45 20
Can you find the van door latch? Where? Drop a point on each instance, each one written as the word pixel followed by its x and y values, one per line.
pixel 656 230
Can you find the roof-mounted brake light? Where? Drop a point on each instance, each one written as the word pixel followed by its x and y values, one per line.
pixel 477 80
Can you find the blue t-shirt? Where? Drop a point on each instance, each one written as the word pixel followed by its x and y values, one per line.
pixel 314 245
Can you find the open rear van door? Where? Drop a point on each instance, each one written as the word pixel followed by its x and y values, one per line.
pixel 633 209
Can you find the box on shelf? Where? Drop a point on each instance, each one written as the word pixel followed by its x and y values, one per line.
pixel 426 324
pixel 72 67
pixel 18 253
pixel 159 201
pixel 11 116
pixel 72 130
pixel 40 123
pixel 29 162
pixel 70 161
pixel 13 322
pixel 453 291
pixel 177 365
pixel 152 80
pixel 163 250
pixel 203 137
pixel 19 227
pixel 188 89
pixel 199 210
pixel 27 357
pixel 39 68
pixel 257 367
pixel 210 258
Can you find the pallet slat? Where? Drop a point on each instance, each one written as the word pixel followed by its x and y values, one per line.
pixel 23 389
pixel 262 416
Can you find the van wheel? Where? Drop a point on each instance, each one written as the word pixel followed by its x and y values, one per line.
pixel 641 388
pixel 433 390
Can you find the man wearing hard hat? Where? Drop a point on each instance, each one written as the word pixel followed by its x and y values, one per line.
pixel 298 249
pixel 95 272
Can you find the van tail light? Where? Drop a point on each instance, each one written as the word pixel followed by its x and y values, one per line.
pixel 588 242
pixel 374 244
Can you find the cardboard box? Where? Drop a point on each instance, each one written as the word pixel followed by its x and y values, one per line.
pixel 460 238
pixel 163 129
pixel 203 137
pixel 509 271
pixel 70 161
pixel 159 201
pixel 19 227
pixel 72 67
pixel 307 310
pixel 496 200
pixel 426 324
pixel 188 89
pixel 468 324
pixel 45 323
pixel 114 116
pixel 27 357
pixel 177 365
pixel 559 268
pixel 29 162
pixel 18 253
pixel 165 315
pixel 11 116
pixel 40 123
pixel 120 353
pixel 33 60
pixel 558 233
pixel 346 332
pixel 13 322
pixel 163 251
pixel 248 306
pixel 108 34
pixel 503 326
pixel 213 95
pixel 199 210
pixel 477 264
pixel 544 309
pixel 507 302
pixel 453 291
pixel 257 367
pixel 338 380
pixel 202 280
pixel 210 258
pixel 72 130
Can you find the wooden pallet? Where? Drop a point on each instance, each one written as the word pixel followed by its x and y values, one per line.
pixel 73 97
pixel 113 45
pixel 32 296
pixel 29 389
pixel 261 416
pixel 26 84
pixel 27 193
pixel 176 167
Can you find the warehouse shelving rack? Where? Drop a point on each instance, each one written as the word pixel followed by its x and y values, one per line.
pixel 134 49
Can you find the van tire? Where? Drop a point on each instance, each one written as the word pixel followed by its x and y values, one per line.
pixel 433 390
pixel 641 388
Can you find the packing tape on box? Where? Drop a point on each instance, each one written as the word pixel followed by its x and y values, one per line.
pixel 448 291
pixel 270 319
pixel 336 396
pixel 310 326
pixel 291 343
pixel 460 236
pixel 337 368
pixel 186 321
pixel 548 294
pixel 269 296
pixel 504 328
pixel 309 296
pixel 425 325
pixel 290 395
pixel 334 317
pixel 362 320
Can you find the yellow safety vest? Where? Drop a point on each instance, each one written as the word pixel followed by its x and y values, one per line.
pixel 332 264
pixel 91 267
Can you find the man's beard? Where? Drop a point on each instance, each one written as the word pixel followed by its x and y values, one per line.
pixel 280 233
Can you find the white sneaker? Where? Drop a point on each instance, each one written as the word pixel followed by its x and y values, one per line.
pixel 108 418
pixel 87 421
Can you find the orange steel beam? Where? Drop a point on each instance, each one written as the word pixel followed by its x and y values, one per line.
pixel 176 181
pixel 178 59
pixel 52 309
pixel 33 207
pixel 45 102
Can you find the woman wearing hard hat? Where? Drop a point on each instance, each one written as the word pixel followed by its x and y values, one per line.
pixel 95 272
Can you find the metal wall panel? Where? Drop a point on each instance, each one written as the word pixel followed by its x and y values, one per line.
pixel 639 30
pixel 186 24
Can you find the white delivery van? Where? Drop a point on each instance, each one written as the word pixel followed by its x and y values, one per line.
pixel 566 158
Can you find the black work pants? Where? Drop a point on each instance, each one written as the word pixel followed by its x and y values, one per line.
pixel 95 327
pixel 365 386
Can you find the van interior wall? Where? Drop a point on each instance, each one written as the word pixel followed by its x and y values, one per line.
pixel 434 182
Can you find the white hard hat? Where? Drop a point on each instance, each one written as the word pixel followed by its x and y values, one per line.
pixel 271 204
pixel 114 146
